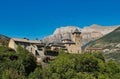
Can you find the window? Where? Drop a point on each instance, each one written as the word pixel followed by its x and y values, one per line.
pixel 36 53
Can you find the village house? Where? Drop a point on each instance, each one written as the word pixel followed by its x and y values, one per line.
pixel 74 44
pixel 70 45
pixel 56 46
pixel 36 47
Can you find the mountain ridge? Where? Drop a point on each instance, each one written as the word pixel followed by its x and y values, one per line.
pixel 89 33
pixel 109 43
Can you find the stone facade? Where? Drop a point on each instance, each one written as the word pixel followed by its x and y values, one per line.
pixel 36 47
pixel 70 44
pixel 74 44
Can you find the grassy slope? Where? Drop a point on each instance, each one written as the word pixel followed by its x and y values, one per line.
pixel 113 37
pixel 113 56
pixel 108 41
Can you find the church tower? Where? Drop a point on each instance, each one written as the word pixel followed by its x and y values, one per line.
pixel 76 38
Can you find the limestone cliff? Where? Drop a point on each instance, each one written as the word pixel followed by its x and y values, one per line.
pixel 89 33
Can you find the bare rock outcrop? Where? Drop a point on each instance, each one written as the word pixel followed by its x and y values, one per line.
pixel 89 33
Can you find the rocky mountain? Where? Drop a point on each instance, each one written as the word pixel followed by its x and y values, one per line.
pixel 59 34
pixel 89 33
pixel 109 42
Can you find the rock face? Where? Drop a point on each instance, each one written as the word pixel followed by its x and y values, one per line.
pixel 93 32
pixel 89 33
pixel 109 43
pixel 59 34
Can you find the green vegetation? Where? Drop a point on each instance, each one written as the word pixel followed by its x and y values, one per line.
pixel 107 41
pixel 83 66
pixel 16 65
pixel 113 56
pixel 22 65
pixel 113 37
pixel 4 40
pixel 110 42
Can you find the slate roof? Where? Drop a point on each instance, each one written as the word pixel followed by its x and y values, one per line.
pixel 26 41
pixel 76 31
pixel 69 42
pixel 57 44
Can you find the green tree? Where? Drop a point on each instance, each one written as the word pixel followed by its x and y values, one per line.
pixel 112 67
pixel 11 74
pixel 26 60
pixel 37 74
pixel 103 76
pixel 20 63
pixel 89 63
pixel 85 76
pixel 116 76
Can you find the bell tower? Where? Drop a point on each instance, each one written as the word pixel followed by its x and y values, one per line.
pixel 76 38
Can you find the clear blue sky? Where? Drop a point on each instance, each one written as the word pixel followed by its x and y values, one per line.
pixel 38 18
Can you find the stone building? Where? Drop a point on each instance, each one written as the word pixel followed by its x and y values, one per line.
pixel 36 47
pixel 70 45
pixel 55 46
pixel 73 45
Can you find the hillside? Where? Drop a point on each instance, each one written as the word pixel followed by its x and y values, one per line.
pixel 3 38
pixel 112 40
pixel 113 37
pixel 21 64
pixel 110 43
